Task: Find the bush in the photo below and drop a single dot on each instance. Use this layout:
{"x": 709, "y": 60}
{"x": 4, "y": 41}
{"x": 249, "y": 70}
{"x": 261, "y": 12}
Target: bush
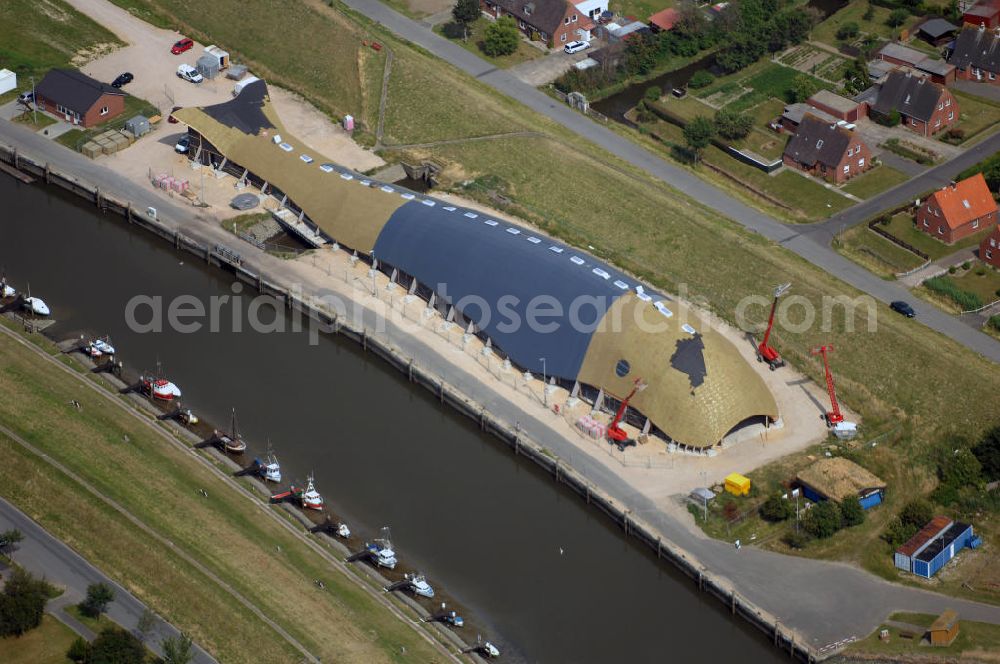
{"x": 78, "y": 650}
{"x": 802, "y": 88}
{"x": 823, "y": 520}
{"x": 869, "y": 13}
{"x": 116, "y": 646}
{"x": 994, "y": 320}
{"x": 955, "y": 134}
{"x": 99, "y": 595}
{"x": 896, "y": 532}
{"x": 852, "y": 512}
{"x": 891, "y": 119}
{"x": 987, "y": 451}
{"x": 797, "y": 539}
{"x": 730, "y": 510}
{"x": 952, "y": 269}
{"x": 654, "y": 93}
{"x": 733, "y": 124}
{"x": 897, "y": 17}
{"x": 967, "y": 300}
{"x": 966, "y": 265}
{"x": 501, "y": 38}
{"x": 22, "y": 603}
{"x": 701, "y": 79}
{"x": 916, "y": 513}
{"x": 847, "y": 31}
{"x": 776, "y": 509}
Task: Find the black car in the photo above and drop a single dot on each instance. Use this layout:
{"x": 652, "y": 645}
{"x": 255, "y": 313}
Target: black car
{"x": 903, "y": 308}
{"x": 123, "y": 79}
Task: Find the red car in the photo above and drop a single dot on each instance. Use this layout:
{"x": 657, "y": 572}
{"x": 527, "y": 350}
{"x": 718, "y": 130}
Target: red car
{"x": 181, "y": 46}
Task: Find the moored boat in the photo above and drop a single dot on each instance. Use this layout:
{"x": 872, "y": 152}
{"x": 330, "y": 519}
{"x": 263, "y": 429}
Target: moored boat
{"x": 419, "y": 585}
{"x": 382, "y": 550}
{"x": 37, "y": 306}
{"x": 269, "y": 469}
{"x": 99, "y": 347}
{"x": 310, "y": 497}
{"x": 232, "y": 442}
{"x": 159, "y": 388}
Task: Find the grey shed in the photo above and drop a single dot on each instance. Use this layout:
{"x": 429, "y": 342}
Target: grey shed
{"x": 208, "y": 66}
{"x": 138, "y": 125}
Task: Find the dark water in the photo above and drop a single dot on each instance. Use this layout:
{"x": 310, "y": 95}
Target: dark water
{"x": 484, "y": 526}
{"x": 615, "y": 106}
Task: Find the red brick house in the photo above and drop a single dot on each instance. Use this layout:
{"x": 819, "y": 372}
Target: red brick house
{"x": 924, "y": 106}
{"x": 976, "y": 56}
{"x": 556, "y": 22}
{"x": 664, "y": 20}
{"x": 985, "y": 13}
{"x": 827, "y": 150}
{"x": 958, "y": 210}
{"x": 77, "y": 98}
{"x": 989, "y": 248}
{"x": 839, "y": 107}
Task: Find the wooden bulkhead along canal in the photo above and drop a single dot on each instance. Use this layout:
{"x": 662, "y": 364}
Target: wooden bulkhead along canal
{"x": 547, "y": 577}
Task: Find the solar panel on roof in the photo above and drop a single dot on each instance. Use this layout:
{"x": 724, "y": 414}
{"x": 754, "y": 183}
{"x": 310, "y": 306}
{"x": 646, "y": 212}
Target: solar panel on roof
{"x": 621, "y": 284}
{"x": 306, "y": 158}
{"x": 364, "y": 183}
{"x": 428, "y": 202}
{"x": 450, "y": 208}
{"x": 513, "y": 231}
{"x": 286, "y": 147}
{"x": 471, "y": 215}
{"x": 662, "y": 308}
{"x": 556, "y": 249}
{"x": 347, "y": 176}
{"x": 687, "y": 328}
{"x": 601, "y": 273}
{"x": 644, "y": 297}
{"x": 326, "y": 168}
{"x": 577, "y": 260}
{"x": 408, "y": 197}
{"x": 490, "y": 222}
{"x": 533, "y": 240}
{"x": 387, "y": 189}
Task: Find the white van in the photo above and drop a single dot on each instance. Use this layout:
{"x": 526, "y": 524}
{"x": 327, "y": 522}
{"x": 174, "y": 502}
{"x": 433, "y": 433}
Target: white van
{"x": 189, "y": 73}
{"x": 238, "y": 88}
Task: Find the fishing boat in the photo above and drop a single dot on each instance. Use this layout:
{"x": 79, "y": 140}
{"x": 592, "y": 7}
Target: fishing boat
{"x": 99, "y": 347}
{"x": 419, "y": 585}
{"x": 268, "y": 469}
{"x": 343, "y": 531}
{"x": 233, "y": 441}
{"x": 5, "y": 290}
{"x": 311, "y": 498}
{"x": 158, "y": 387}
{"x": 490, "y": 650}
{"x": 35, "y": 305}
{"x": 382, "y": 551}
{"x": 453, "y": 619}
{"x": 187, "y": 417}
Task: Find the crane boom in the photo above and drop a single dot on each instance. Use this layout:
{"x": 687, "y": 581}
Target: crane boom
{"x": 834, "y": 416}
{"x": 616, "y": 433}
{"x": 765, "y": 353}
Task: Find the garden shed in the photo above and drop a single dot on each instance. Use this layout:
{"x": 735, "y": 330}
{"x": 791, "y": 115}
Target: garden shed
{"x": 138, "y": 125}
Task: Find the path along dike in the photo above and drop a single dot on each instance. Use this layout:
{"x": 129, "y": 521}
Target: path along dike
{"x": 815, "y": 608}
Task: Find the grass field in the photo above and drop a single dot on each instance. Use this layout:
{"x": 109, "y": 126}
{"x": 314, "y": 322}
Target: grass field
{"x": 477, "y": 33}
{"x": 875, "y": 181}
{"x": 876, "y": 253}
{"x": 639, "y": 9}
{"x": 984, "y": 286}
{"x": 75, "y": 138}
{"x": 854, "y": 13}
{"x": 37, "y": 35}
{"x": 232, "y": 538}
{"x": 977, "y": 114}
{"x": 764, "y": 80}
{"x": 45, "y": 645}
{"x": 902, "y": 227}
{"x": 29, "y": 119}
{"x": 975, "y": 640}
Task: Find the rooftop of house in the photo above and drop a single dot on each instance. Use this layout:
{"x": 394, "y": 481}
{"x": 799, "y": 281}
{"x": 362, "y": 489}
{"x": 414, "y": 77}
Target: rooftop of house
{"x": 978, "y": 48}
{"x": 74, "y": 89}
{"x": 964, "y": 201}
{"x": 945, "y": 621}
{"x": 913, "y": 96}
{"x": 819, "y": 141}
{"x": 937, "y": 27}
{"x": 837, "y": 478}
{"x": 795, "y": 112}
{"x": 834, "y": 101}
{"x": 546, "y": 15}
{"x": 984, "y": 9}
{"x": 665, "y": 19}
{"x": 933, "y": 528}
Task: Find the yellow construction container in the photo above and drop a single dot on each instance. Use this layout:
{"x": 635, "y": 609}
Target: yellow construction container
{"x": 737, "y": 484}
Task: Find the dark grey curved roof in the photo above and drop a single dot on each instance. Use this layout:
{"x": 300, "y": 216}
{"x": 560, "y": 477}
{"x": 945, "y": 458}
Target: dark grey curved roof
{"x": 465, "y": 255}
{"x": 245, "y": 111}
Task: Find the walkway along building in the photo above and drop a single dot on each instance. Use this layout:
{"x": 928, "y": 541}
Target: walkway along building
{"x": 601, "y": 330}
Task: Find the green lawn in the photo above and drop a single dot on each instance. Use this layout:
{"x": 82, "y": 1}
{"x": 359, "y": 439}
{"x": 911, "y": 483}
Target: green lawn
{"x": 854, "y": 13}
{"x": 36, "y": 121}
{"x": 72, "y": 139}
{"x": 875, "y": 181}
{"x": 764, "y": 80}
{"x": 902, "y": 227}
{"x": 474, "y": 43}
{"x": 639, "y": 9}
{"x": 977, "y": 114}
{"x": 984, "y": 285}
{"x": 47, "y": 644}
{"x": 95, "y": 624}
{"x": 878, "y": 254}
{"x": 75, "y": 138}
{"x": 974, "y": 640}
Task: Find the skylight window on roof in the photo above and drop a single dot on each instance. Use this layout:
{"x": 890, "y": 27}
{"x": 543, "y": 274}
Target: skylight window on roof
{"x": 513, "y": 231}
{"x": 471, "y": 215}
{"x": 662, "y": 308}
{"x": 347, "y": 176}
{"x": 966, "y": 204}
{"x": 387, "y": 189}
{"x": 621, "y": 284}
{"x": 603, "y": 274}
{"x": 819, "y": 144}
{"x": 365, "y": 183}
{"x": 577, "y": 260}
{"x": 687, "y": 328}
{"x": 428, "y": 202}
{"x": 286, "y": 147}
{"x": 408, "y": 196}
{"x": 450, "y": 208}
{"x": 326, "y": 168}
{"x": 490, "y": 222}
{"x": 306, "y": 158}
{"x": 643, "y": 296}
{"x": 533, "y": 240}
{"x": 556, "y": 249}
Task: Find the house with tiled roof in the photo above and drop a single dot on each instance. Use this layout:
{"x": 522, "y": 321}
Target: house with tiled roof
{"x": 976, "y": 56}
{"x": 989, "y": 248}
{"x": 958, "y": 210}
{"x": 827, "y": 150}
{"x": 924, "y": 106}
{"x": 900, "y": 55}
{"x": 985, "y": 13}
{"x": 664, "y": 19}
{"x": 555, "y": 22}
{"x": 77, "y": 98}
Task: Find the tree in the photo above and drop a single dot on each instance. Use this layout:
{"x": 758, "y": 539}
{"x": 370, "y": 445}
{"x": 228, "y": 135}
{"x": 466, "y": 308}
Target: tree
{"x": 802, "y": 88}
{"x": 869, "y": 13}
{"x": 78, "y": 650}
{"x": 465, "y": 13}
{"x": 147, "y": 621}
{"x": 897, "y": 532}
{"x": 776, "y": 508}
{"x": 823, "y": 520}
{"x": 987, "y": 451}
{"x": 99, "y": 595}
{"x": 897, "y": 17}
{"x": 9, "y": 539}
{"x": 916, "y": 513}
{"x": 178, "y": 649}
{"x": 654, "y": 93}
{"x": 851, "y": 511}
{"x": 855, "y": 74}
{"x": 733, "y": 124}
{"x": 698, "y": 135}
{"x": 22, "y": 603}
{"x": 847, "y": 31}
{"x": 116, "y": 646}
{"x": 701, "y": 79}
{"x": 502, "y": 37}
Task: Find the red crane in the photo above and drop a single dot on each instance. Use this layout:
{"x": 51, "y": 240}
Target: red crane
{"x": 766, "y": 353}
{"x": 615, "y": 433}
{"x": 834, "y": 416}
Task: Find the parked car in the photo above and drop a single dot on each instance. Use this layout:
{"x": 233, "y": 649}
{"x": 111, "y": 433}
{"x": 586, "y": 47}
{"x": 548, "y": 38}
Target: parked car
{"x": 576, "y": 46}
{"x": 189, "y": 73}
{"x": 123, "y": 79}
{"x": 903, "y": 308}
{"x": 183, "y": 144}
{"x": 182, "y": 46}
{"x": 170, "y": 118}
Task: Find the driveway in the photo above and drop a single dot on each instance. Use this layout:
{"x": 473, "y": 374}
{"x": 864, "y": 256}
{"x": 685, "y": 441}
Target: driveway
{"x": 544, "y": 70}
{"x": 44, "y": 555}
{"x": 876, "y": 134}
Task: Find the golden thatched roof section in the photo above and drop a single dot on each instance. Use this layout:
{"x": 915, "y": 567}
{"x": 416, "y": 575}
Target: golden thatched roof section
{"x": 348, "y": 212}
{"x": 836, "y": 478}
{"x": 696, "y": 415}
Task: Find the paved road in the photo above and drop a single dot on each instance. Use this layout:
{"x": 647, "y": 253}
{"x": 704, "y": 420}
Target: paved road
{"x": 44, "y": 555}
{"x": 827, "y": 601}
{"x": 809, "y": 242}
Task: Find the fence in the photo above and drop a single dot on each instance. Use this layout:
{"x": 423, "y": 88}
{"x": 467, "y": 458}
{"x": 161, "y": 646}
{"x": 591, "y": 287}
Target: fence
{"x": 874, "y": 224}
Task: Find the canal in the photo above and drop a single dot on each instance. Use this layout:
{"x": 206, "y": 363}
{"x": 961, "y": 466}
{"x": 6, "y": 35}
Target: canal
{"x": 549, "y": 579}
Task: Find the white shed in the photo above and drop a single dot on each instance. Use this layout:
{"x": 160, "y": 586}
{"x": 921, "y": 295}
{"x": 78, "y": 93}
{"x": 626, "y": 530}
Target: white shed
{"x": 8, "y": 80}
{"x": 218, "y": 54}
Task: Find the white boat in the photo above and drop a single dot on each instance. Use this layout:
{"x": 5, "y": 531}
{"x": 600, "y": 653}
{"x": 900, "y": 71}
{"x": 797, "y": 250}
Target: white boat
{"x": 188, "y": 417}
{"x": 36, "y": 306}
{"x": 382, "y": 549}
{"x": 269, "y": 469}
{"x": 160, "y": 388}
{"x": 311, "y": 498}
{"x": 420, "y": 586}
{"x": 99, "y": 347}
{"x": 490, "y": 650}
{"x": 343, "y": 530}
{"x": 233, "y": 441}
{"x": 7, "y": 291}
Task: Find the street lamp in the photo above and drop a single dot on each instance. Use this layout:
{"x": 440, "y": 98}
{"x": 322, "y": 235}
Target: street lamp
{"x": 545, "y": 399}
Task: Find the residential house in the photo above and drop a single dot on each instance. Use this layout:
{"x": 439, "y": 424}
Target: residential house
{"x": 839, "y": 107}
{"x": 939, "y": 71}
{"x": 958, "y": 210}
{"x": 924, "y": 107}
{"x": 989, "y": 248}
{"x": 985, "y": 13}
{"x": 976, "y": 55}
{"x": 664, "y": 20}
{"x": 937, "y": 31}
{"x": 78, "y": 98}
{"x": 792, "y": 116}
{"x": 827, "y": 150}
{"x": 555, "y": 22}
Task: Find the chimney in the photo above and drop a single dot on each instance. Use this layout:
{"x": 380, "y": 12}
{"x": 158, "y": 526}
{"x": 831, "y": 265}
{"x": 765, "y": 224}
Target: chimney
{"x": 953, "y": 184}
